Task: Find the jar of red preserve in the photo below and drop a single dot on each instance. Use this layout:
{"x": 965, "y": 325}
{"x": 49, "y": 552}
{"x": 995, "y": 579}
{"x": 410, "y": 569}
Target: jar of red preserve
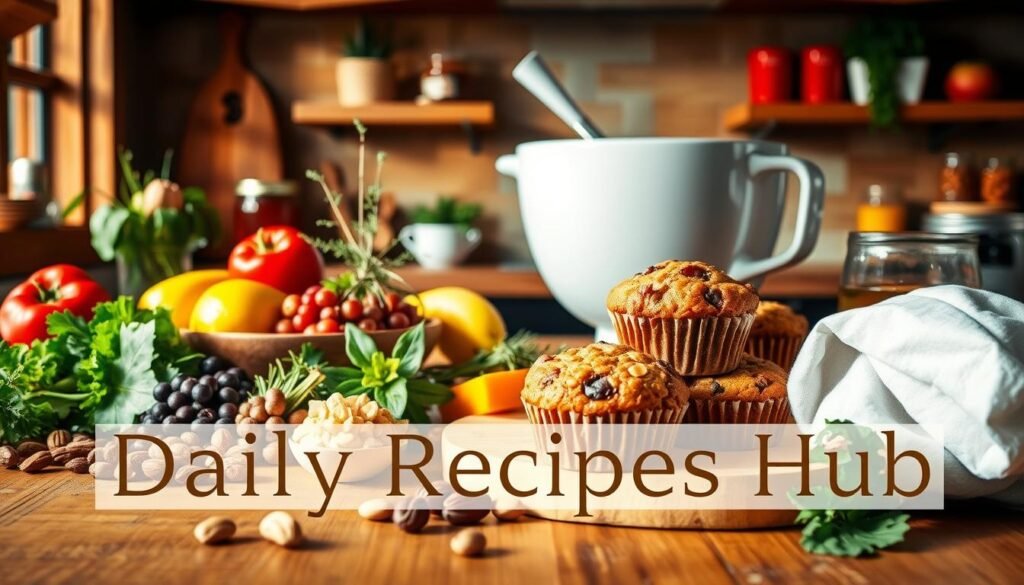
{"x": 263, "y": 203}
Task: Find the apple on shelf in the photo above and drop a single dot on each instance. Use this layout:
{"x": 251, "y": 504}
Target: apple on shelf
{"x": 971, "y": 81}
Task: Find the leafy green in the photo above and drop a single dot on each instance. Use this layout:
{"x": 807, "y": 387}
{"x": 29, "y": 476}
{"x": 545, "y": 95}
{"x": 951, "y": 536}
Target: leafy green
{"x": 389, "y": 379}
{"x": 447, "y": 210}
{"x": 298, "y": 381}
{"x": 882, "y": 44}
{"x": 851, "y": 533}
{"x": 367, "y": 43}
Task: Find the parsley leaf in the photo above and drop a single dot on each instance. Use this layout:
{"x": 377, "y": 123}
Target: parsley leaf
{"x": 127, "y": 374}
{"x": 851, "y": 533}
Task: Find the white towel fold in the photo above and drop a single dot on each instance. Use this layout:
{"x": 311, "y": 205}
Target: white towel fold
{"x": 948, "y": 355}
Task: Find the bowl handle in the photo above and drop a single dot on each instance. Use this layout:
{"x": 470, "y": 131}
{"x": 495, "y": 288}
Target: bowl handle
{"x": 508, "y": 165}
{"x": 808, "y": 215}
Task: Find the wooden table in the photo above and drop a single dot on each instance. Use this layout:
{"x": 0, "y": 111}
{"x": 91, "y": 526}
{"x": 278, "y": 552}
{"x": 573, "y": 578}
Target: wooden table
{"x": 51, "y": 533}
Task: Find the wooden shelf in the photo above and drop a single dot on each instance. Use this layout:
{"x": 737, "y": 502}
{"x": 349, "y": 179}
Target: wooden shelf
{"x": 525, "y": 283}
{"x": 28, "y": 250}
{"x": 454, "y": 113}
{"x": 18, "y": 16}
{"x": 303, "y": 5}
{"x": 749, "y": 117}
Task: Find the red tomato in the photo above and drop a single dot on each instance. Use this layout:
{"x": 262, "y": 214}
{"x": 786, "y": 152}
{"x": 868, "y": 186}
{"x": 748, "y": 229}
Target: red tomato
{"x": 302, "y": 320}
{"x": 54, "y": 289}
{"x": 325, "y": 298}
{"x": 971, "y": 82}
{"x": 290, "y": 305}
{"x": 328, "y": 313}
{"x": 352, "y": 310}
{"x": 327, "y": 326}
{"x": 309, "y": 330}
{"x": 284, "y": 326}
{"x": 368, "y": 325}
{"x": 398, "y": 320}
{"x": 277, "y": 256}
{"x": 391, "y": 301}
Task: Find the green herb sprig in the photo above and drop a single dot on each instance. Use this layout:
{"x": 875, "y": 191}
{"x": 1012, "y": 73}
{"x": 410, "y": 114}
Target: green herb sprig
{"x": 447, "y": 210}
{"x": 516, "y": 352}
{"x": 390, "y": 380}
{"x": 882, "y": 44}
{"x": 298, "y": 380}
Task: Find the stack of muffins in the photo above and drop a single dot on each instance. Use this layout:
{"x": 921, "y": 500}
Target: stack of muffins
{"x": 687, "y": 354}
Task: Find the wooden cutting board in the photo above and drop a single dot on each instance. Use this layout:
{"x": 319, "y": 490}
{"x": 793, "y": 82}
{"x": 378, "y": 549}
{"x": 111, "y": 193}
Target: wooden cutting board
{"x": 667, "y": 519}
{"x": 231, "y": 132}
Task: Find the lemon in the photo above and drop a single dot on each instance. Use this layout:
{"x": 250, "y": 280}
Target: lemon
{"x": 179, "y": 294}
{"x": 469, "y": 321}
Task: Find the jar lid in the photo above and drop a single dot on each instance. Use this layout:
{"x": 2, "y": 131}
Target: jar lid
{"x": 260, "y": 188}
{"x": 911, "y": 238}
{"x": 961, "y": 223}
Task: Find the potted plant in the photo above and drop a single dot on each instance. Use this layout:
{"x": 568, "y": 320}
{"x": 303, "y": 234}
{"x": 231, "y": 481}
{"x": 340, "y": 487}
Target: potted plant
{"x": 152, "y": 227}
{"x": 365, "y": 74}
{"x": 886, "y": 66}
{"x": 442, "y": 236}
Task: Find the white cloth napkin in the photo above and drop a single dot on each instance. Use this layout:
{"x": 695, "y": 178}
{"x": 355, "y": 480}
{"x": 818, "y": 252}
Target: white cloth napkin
{"x": 948, "y": 355}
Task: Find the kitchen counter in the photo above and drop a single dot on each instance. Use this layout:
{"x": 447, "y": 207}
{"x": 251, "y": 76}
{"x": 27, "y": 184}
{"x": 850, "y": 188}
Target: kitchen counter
{"x": 51, "y": 533}
{"x": 499, "y": 282}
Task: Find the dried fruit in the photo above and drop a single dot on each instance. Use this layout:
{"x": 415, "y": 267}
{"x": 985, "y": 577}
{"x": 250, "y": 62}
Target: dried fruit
{"x": 78, "y": 465}
{"x": 214, "y": 530}
{"x": 37, "y": 461}
{"x": 280, "y": 528}
{"x": 412, "y": 515}
{"x": 694, "y": 271}
{"x": 58, "y": 438}
{"x": 9, "y": 458}
{"x": 713, "y": 298}
{"x": 377, "y": 510}
{"x": 598, "y": 388}
{"x": 469, "y": 542}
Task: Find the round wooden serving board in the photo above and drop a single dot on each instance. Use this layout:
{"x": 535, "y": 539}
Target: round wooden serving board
{"x": 666, "y": 519}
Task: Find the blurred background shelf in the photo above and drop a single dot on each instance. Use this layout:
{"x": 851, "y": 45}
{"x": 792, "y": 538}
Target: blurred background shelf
{"x": 750, "y": 117}
{"x": 454, "y": 113}
{"x": 17, "y": 16}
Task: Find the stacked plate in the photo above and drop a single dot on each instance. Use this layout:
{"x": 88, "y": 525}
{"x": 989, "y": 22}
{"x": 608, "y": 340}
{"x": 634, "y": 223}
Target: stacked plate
{"x": 15, "y": 213}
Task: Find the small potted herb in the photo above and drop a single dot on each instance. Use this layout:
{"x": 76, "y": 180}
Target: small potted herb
{"x": 442, "y": 236}
{"x": 364, "y": 73}
{"x": 152, "y": 227}
{"x": 886, "y": 66}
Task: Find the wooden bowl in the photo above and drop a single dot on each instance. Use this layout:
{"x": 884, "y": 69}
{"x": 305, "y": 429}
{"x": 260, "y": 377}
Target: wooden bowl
{"x": 254, "y": 352}
{"x": 15, "y": 213}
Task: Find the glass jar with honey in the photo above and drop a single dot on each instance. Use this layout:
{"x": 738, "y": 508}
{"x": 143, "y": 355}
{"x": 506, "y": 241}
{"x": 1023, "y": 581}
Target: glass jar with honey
{"x": 883, "y": 265}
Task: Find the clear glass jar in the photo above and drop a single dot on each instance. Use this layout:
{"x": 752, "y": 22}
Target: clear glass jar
{"x": 883, "y": 265}
{"x": 883, "y": 210}
{"x": 956, "y": 180}
{"x": 997, "y": 181}
{"x": 263, "y": 204}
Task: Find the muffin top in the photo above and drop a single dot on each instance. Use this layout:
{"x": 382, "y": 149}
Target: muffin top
{"x": 778, "y": 319}
{"x": 677, "y": 289}
{"x": 603, "y": 378}
{"x": 754, "y": 380}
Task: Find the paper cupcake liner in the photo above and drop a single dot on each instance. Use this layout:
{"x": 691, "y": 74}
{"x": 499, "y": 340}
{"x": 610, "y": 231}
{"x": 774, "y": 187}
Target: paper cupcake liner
{"x": 780, "y": 349}
{"x": 695, "y": 347}
{"x": 618, "y": 432}
{"x": 738, "y": 412}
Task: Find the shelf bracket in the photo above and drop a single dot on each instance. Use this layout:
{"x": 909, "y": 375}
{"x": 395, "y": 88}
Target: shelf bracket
{"x": 472, "y": 136}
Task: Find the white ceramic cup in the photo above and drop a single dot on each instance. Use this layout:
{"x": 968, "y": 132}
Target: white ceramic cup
{"x": 439, "y": 245}
{"x": 598, "y": 211}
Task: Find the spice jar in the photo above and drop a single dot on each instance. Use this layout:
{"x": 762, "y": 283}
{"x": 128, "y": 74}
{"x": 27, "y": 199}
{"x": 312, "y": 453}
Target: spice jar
{"x": 263, "y": 204}
{"x": 956, "y": 181}
{"x": 769, "y": 74}
{"x": 883, "y": 210}
{"x": 997, "y": 181}
{"x": 821, "y": 74}
{"x": 440, "y": 81}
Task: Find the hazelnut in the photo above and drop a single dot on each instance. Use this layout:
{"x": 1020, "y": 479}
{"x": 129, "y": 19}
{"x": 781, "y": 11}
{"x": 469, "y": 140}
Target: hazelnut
{"x": 469, "y": 542}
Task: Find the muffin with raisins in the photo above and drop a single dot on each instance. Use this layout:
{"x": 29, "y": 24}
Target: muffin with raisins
{"x": 690, "y": 314}
{"x": 777, "y": 333}
{"x": 603, "y": 380}
{"x": 753, "y": 393}
{"x": 583, "y": 393}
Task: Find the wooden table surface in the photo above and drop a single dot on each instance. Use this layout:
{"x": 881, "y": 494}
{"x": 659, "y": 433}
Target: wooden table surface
{"x": 51, "y": 533}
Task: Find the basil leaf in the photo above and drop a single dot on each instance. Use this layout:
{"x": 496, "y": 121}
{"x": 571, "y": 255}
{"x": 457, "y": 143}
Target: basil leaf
{"x": 415, "y": 413}
{"x": 359, "y": 347}
{"x": 409, "y": 351}
{"x": 393, "y": 397}
{"x": 351, "y": 388}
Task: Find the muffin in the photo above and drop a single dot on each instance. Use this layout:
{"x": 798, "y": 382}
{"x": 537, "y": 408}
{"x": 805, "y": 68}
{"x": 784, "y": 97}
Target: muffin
{"x": 776, "y": 334}
{"x": 583, "y": 393}
{"x": 753, "y": 393}
{"x": 690, "y": 314}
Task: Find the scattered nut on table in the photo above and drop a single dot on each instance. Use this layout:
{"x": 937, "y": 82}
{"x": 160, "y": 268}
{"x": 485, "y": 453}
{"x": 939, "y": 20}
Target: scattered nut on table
{"x": 377, "y": 510}
{"x": 214, "y": 530}
{"x": 411, "y": 515}
{"x": 282, "y": 529}
{"x": 469, "y": 542}
{"x": 508, "y": 510}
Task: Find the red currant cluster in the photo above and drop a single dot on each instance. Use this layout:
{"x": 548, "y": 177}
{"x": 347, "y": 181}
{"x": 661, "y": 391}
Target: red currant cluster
{"x": 319, "y": 310}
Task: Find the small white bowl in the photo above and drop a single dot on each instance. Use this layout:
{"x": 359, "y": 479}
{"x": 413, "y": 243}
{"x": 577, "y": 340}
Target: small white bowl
{"x": 362, "y": 463}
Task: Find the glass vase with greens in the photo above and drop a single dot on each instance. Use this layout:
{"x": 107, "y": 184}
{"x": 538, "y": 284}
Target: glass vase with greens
{"x": 152, "y": 227}
{"x": 883, "y": 45}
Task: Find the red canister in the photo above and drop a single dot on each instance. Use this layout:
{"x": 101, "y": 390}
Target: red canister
{"x": 822, "y": 74}
{"x": 770, "y": 75}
